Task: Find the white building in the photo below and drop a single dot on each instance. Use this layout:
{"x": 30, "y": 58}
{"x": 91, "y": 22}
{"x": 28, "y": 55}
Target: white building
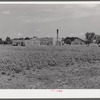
{"x": 32, "y": 42}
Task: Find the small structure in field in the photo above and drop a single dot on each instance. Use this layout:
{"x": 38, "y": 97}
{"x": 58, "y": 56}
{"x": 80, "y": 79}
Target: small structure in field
{"x": 18, "y": 42}
{"x": 46, "y": 41}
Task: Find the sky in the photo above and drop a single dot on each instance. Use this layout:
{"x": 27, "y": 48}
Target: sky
{"x": 42, "y": 20}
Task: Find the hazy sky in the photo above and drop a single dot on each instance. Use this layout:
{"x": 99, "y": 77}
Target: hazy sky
{"x": 43, "y": 19}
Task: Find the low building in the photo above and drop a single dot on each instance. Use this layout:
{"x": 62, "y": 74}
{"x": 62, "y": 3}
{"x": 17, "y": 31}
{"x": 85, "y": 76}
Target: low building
{"x": 32, "y": 42}
{"x": 46, "y": 41}
{"x": 18, "y": 42}
{"x": 78, "y": 41}
{"x": 73, "y": 41}
{"x": 58, "y": 43}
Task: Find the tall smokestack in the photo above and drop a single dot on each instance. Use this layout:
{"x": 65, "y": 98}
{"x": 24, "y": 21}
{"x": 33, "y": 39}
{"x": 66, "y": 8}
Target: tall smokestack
{"x": 57, "y": 33}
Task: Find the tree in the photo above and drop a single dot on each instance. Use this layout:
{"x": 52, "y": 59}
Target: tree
{"x": 97, "y": 39}
{"x": 35, "y": 37}
{"x": 8, "y": 40}
{"x": 89, "y": 37}
{"x": 21, "y": 38}
{"x": 98, "y": 42}
{"x": 0, "y": 40}
{"x": 66, "y": 40}
{"x": 27, "y": 38}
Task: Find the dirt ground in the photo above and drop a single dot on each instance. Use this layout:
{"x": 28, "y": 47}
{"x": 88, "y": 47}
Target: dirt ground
{"x": 44, "y": 67}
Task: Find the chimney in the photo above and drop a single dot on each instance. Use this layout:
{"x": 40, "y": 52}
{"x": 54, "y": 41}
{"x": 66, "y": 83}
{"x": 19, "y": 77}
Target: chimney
{"x": 57, "y": 34}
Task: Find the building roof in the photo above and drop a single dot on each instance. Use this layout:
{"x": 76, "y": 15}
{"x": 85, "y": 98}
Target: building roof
{"x": 18, "y": 39}
{"x": 74, "y": 38}
{"x": 46, "y": 38}
{"x": 80, "y": 39}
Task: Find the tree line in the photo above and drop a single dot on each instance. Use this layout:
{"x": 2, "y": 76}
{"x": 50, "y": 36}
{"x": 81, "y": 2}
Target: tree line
{"x": 6, "y": 41}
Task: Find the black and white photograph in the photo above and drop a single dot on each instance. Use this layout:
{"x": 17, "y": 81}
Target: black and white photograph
{"x": 50, "y": 46}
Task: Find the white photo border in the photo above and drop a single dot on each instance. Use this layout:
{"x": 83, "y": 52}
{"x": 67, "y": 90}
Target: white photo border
{"x": 48, "y": 93}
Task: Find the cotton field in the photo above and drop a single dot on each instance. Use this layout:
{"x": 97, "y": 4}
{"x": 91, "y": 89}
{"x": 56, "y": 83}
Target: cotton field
{"x": 50, "y": 67}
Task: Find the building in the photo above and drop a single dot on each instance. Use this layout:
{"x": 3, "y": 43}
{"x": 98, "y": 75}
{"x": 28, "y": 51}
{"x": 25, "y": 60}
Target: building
{"x": 32, "y": 42}
{"x": 18, "y": 42}
{"x": 73, "y": 41}
{"x": 78, "y": 41}
{"x": 58, "y": 42}
{"x": 39, "y": 41}
{"x": 46, "y": 41}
